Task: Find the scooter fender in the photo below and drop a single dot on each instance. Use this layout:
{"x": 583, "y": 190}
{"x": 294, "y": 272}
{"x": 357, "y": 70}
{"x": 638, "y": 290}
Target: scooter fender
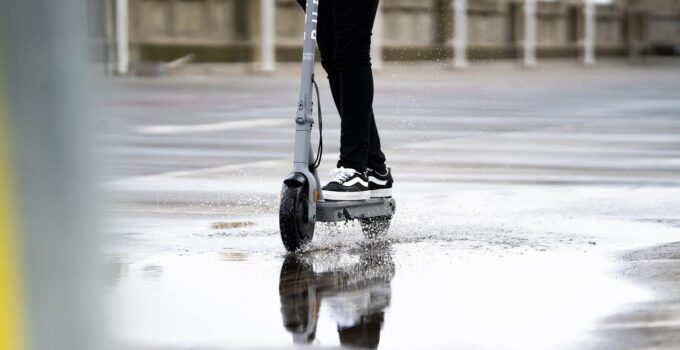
{"x": 295, "y": 179}
{"x": 299, "y": 178}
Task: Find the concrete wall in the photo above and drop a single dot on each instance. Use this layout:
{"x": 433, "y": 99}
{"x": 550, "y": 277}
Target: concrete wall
{"x": 227, "y": 30}
{"x": 215, "y": 30}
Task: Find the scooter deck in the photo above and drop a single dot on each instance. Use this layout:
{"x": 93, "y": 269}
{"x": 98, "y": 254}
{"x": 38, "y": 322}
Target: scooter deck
{"x": 333, "y": 211}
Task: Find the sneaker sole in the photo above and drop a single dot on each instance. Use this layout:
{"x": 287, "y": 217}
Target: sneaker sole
{"x": 384, "y": 192}
{"x": 347, "y": 196}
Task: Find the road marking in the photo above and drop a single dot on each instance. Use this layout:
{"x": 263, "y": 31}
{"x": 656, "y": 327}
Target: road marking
{"x": 199, "y": 128}
{"x": 200, "y": 174}
{"x": 650, "y": 324}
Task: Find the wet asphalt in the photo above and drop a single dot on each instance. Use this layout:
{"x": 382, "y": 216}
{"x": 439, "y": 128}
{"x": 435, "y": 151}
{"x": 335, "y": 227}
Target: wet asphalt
{"x": 537, "y": 209}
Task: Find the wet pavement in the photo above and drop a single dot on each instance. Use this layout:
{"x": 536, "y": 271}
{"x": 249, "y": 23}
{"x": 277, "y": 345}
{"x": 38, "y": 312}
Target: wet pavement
{"x": 536, "y": 209}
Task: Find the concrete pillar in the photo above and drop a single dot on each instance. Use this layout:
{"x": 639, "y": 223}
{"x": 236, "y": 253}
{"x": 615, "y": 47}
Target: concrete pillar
{"x": 110, "y": 30}
{"x": 377, "y": 39}
{"x": 268, "y": 35}
{"x": 590, "y": 33}
{"x": 530, "y": 33}
{"x": 122, "y": 40}
{"x": 460, "y": 34}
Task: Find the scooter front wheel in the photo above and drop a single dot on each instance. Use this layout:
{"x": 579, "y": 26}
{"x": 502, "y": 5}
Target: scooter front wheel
{"x": 295, "y": 230}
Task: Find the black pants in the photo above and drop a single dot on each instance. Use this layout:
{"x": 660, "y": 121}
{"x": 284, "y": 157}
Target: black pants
{"x": 344, "y": 39}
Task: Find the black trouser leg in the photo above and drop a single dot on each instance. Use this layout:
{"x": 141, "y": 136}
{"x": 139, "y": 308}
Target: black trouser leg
{"x": 376, "y": 158}
{"x": 352, "y": 28}
{"x": 326, "y": 42}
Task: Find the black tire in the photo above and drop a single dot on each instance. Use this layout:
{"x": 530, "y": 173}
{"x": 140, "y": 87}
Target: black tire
{"x": 375, "y": 227}
{"x": 295, "y": 230}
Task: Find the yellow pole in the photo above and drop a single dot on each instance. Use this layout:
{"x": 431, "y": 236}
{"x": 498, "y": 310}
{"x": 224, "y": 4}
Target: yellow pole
{"x": 12, "y": 335}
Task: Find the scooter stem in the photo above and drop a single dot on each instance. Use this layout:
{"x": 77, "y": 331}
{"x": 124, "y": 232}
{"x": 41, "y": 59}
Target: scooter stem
{"x": 303, "y": 155}
{"x": 304, "y": 119}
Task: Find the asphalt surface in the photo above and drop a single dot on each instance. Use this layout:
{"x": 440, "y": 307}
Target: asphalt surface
{"x": 537, "y": 209}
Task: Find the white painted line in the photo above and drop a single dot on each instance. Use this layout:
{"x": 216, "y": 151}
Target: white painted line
{"x": 649, "y": 324}
{"x": 203, "y": 172}
{"x": 265, "y": 164}
{"x": 198, "y": 128}
{"x": 214, "y": 179}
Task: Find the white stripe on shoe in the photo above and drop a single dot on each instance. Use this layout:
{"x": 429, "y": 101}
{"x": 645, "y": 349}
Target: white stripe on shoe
{"x": 347, "y": 196}
{"x": 354, "y": 181}
{"x": 377, "y": 181}
{"x": 384, "y": 192}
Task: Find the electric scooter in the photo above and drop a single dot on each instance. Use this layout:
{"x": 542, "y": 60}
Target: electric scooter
{"x": 302, "y": 202}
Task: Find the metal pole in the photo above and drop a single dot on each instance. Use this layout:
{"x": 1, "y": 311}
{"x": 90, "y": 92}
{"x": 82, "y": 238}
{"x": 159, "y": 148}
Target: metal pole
{"x": 48, "y": 133}
{"x": 268, "y": 35}
{"x": 122, "y": 40}
{"x": 530, "y": 33}
{"x": 460, "y": 34}
{"x": 589, "y": 40}
{"x": 377, "y": 40}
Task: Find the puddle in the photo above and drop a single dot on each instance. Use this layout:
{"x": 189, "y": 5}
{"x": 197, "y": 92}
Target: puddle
{"x": 416, "y": 295}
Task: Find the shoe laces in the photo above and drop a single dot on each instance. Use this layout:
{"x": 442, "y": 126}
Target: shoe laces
{"x": 341, "y": 174}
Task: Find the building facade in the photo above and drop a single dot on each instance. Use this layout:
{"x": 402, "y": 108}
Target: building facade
{"x": 229, "y": 30}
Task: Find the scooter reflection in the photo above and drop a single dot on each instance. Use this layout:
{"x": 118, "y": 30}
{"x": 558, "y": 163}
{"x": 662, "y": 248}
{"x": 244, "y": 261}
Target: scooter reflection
{"x": 355, "y": 286}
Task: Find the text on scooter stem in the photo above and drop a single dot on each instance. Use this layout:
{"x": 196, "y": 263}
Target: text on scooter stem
{"x": 315, "y": 17}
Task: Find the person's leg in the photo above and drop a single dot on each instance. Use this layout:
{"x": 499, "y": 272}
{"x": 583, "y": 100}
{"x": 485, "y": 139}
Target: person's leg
{"x": 376, "y": 158}
{"x": 353, "y": 24}
{"x": 325, "y": 39}
{"x": 326, "y": 42}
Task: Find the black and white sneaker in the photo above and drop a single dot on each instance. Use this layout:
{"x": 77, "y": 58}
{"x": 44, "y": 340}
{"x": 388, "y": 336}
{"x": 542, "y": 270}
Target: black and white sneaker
{"x": 347, "y": 185}
{"x": 380, "y": 184}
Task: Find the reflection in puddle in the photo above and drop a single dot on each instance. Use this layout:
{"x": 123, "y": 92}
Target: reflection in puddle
{"x": 234, "y": 256}
{"x": 355, "y": 288}
{"x": 152, "y": 272}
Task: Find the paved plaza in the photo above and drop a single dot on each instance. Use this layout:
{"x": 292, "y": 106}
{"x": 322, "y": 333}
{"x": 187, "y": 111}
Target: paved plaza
{"x": 536, "y": 209}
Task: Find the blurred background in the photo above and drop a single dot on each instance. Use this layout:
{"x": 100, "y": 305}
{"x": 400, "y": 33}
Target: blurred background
{"x": 131, "y": 32}
{"x": 535, "y": 146}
